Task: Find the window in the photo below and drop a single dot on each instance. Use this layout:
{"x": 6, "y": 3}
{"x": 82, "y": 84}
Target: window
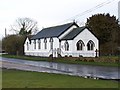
{"x": 30, "y": 41}
{"x": 51, "y": 43}
{"x": 34, "y": 44}
{"x": 66, "y": 46}
{"x": 45, "y": 42}
{"x": 27, "y": 46}
{"x": 80, "y": 44}
{"x": 39, "y": 44}
{"x": 90, "y": 45}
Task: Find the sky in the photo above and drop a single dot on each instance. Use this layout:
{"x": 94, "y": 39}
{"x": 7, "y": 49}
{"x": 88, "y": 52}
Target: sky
{"x": 51, "y": 12}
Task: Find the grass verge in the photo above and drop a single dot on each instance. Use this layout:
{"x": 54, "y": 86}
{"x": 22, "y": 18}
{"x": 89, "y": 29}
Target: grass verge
{"x": 25, "y": 79}
{"x": 63, "y": 60}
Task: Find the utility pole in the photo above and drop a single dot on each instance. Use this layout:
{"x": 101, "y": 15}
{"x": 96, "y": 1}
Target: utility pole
{"x": 5, "y": 32}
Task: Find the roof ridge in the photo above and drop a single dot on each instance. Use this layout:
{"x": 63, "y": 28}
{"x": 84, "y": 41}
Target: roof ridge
{"x": 58, "y": 25}
{"x": 54, "y": 31}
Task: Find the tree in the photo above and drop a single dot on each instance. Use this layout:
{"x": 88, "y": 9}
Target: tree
{"x": 107, "y": 29}
{"x": 25, "y": 26}
{"x": 13, "y": 44}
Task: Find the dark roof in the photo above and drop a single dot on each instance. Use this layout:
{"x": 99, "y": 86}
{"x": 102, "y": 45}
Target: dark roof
{"x": 71, "y": 35}
{"x": 55, "y": 31}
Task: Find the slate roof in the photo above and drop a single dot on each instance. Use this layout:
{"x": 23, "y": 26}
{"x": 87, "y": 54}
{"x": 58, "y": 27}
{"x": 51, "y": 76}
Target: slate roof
{"x": 71, "y": 35}
{"x": 55, "y": 31}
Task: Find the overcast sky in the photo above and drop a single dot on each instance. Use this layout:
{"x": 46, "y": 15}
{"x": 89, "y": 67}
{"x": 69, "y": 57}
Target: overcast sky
{"x": 51, "y": 12}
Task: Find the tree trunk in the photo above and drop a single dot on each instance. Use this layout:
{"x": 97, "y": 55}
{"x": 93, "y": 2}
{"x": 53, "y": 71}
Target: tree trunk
{"x": 17, "y": 52}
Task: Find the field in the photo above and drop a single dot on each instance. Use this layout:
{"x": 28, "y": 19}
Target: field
{"x": 25, "y": 79}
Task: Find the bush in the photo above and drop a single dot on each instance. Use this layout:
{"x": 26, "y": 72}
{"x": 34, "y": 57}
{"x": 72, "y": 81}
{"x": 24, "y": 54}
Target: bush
{"x": 14, "y": 44}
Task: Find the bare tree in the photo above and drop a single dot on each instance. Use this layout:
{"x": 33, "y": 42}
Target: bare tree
{"x": 25, "y": 26}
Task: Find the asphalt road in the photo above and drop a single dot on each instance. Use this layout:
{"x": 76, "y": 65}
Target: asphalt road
{"x": 69, "y": 69}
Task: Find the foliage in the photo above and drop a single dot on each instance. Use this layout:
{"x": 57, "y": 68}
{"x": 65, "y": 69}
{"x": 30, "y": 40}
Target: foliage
{"x": 24, "y": 79}
{"x": 25, "y": 26}
{"x": 107, "y": 29}
{"x": 13, "y": 44}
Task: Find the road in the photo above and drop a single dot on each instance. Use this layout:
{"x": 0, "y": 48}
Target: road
{"x": 70, "y": 69}
{"x": 12, "y": 65}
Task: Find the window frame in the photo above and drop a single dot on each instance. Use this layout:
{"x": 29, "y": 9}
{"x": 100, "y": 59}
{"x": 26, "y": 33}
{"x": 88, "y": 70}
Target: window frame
{"x": 34, "y": 44}
{"x": 51, "y": 43}
{"x": 80, "y": 45}
{"x": 39, "y": 44}
{"x": 91, "y": 45}
{"x": 45, "y": 43}
{"x": 66, "y": 45}
{"x": 27, "y": 45}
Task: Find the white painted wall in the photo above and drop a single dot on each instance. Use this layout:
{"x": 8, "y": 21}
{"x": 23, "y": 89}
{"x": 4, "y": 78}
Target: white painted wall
{"x": 66, "y": 53}
{"x": 42, "y": 51}
{"x": 85, "y": 36}
{"x": 25, "y": 45}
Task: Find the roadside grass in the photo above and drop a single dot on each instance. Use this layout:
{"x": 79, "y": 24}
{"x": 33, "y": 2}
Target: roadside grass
{"x": 26, "y": 79}
{"x": 68, "y": 60}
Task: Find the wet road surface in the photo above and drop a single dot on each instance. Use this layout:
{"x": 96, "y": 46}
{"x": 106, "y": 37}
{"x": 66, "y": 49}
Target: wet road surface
{"x": 61, "y": 68}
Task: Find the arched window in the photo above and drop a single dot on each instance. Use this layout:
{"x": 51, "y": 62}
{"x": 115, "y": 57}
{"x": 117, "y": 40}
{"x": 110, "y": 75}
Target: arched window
{"x": 30, "y": 41}
{"x": 27, "y": 46}
{"x": 90, "y": 45}
{"x": 45, "y": 41}
{"x": 39, "y": 44}
{"x": 80, "y": 44}
{"x": 66, "y": 46}
{"x": 34, "y": 44}
{"x": 51, "y": 43}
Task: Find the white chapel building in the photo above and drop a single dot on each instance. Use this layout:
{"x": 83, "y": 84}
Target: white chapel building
{"x": 63, "y": 40}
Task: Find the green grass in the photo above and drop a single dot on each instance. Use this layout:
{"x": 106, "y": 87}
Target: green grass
{"x": 24, "y": 79}
{"x": 62, "y": 60}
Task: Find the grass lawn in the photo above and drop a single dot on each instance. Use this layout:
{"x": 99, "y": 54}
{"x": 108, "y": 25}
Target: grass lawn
{"x": 24, "y": 79}
{"x": 62, "y": 60}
